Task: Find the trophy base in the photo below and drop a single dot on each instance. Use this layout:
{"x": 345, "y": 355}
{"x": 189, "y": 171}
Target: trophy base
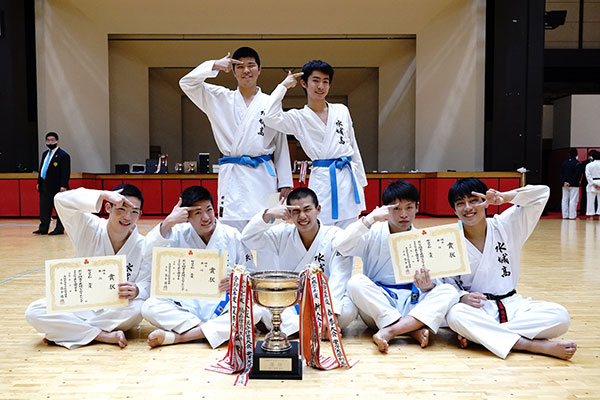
{"x": 276, "y": 365}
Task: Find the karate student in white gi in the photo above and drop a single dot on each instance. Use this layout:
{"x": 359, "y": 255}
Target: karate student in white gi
{"x": 247, "y": 175}
{"x": 326, "y": 134}
{"x": 291, "y": 247}
{"x": 192, "y": 224}
{"x": 393, "y": 309}
{"x": 490, "y": 311}
{"x": 592, "y": 174}
{"x": 93, "y": 236}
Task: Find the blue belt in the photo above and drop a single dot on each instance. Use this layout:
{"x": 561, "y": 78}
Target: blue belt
{"x": 251, "y": 161}
{"x": 339, "y": 163}
{"x": 221, "y": 306}
{"x": 414, "y": 296}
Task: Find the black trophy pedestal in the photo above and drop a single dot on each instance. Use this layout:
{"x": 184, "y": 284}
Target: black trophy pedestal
{"x": 276, "y": 365}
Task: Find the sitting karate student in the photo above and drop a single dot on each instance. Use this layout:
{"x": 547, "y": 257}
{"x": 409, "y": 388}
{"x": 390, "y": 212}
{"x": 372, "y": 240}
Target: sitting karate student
{"x": 291, "y": 247}
{"x": 490, "y": 311}
{"x": 93, "y": 236}
{"x": 192, "y": 224}
{"x": 326, "y": 135}
{"x": 393, "y": 309}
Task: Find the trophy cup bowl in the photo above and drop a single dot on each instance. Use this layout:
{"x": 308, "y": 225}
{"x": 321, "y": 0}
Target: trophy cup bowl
{"x": 275, "y": 290}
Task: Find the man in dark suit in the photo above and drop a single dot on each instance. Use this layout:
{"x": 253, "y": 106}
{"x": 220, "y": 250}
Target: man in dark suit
{"x": 55, "y": 169}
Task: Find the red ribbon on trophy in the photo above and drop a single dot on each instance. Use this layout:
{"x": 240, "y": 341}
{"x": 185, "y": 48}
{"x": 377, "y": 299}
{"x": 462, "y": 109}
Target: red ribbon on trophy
{"x": 316, "y": 310}
{"x": 241, "y": 339}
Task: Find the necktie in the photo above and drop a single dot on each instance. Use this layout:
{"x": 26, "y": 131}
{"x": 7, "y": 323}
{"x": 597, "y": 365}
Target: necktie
{"x": 45, "y": 166}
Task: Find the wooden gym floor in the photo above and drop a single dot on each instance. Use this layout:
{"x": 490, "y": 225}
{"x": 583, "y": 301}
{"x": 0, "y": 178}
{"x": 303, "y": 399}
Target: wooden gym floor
{"x": 560, "y": 263}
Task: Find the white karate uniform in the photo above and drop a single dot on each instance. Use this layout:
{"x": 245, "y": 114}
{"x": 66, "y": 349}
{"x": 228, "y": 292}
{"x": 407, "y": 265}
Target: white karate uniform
{"x": 90, "y": 238}
{"x": 279, "y": 247}
{"x": 592, "y": 174}
{"x": 320, "y": 142}
{"x": 496, "y": 271}
{"x": 376, "y": 306}
{"x": 239, "y": 130}
{"x": 181, "y": 315}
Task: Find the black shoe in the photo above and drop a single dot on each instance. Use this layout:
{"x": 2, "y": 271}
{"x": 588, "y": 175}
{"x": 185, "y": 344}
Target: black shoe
{"x": 38, "y": 232}
{"x": 55, "y": 232}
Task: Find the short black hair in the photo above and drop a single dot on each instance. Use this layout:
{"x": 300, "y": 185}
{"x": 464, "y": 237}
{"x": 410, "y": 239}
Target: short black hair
{"x": 463, "y": 188}
{"x": 316, "y": 65}
{"x": 131, "y": 191}
{"x": 301, "y": 193}
{"x": 246, "y": 52}
{"x": 53, "y": 134}
{"x": 194, "y": 194}
{"x": 573, "y": 152}
{"x": 399, "y": 190}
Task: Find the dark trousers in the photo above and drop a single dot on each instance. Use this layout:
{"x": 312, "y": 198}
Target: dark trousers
{"x": 46, "y": 206}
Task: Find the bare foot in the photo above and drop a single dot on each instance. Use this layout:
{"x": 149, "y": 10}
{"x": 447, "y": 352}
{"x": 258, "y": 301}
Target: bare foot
{"x": 156, "y": 338}
{"x": 421, "y": 336}
{"x": 114, "y": 337}
{"x": 563, "y": 349}
{"x": 463, "y": 343}
{"x": 381, "y": 339}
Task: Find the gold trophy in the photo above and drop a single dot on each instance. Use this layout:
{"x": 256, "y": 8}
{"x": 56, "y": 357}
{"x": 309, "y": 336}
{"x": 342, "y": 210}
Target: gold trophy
{"x": 276, "y": 357}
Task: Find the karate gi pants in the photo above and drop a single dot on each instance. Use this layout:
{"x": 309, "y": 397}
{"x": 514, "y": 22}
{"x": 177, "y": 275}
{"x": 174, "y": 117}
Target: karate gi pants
{"x": 291, "y": 321}
{"x": 378, "y": 309}
{"x": 526, "y": 318}
{"x": 570, "y": 197}
{"x": 167, "y": 315}
{"x": 76, "y": 329}
{"x": 592, "y": 197}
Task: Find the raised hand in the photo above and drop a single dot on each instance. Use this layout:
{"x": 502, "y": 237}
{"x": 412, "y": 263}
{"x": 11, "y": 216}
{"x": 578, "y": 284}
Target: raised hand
{"x": 382, "y": 214}
{"x": 280, "y": 211}
{"x": 291, "y": 80}
{"x": 116, "y": 198}
{"x": 491, "y": 198}
{"x": 178, "y": 215}
{"x": 226, "y": 63}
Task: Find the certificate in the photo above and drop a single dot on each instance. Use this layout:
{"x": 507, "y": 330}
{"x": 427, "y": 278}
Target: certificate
{"x": 90, "y": 283}
{"x": 188, "y": 273}
{"x": 440, "y": 249}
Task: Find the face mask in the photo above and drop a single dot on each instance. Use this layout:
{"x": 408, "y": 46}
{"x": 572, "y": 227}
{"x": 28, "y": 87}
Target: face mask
{"x": 51, "y": 146}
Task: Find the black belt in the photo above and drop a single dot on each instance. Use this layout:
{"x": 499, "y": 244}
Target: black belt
{"x": 498, "y": 299}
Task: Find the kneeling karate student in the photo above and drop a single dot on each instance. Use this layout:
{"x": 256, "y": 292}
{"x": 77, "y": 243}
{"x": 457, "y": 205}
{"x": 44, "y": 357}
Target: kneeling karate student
{"x": 192, "y": 224}
{"x": 490, "y": 311}
{"x": 93, "y": 236}
{"x": 393, "y": 309}
{"x": 291, "y": 247}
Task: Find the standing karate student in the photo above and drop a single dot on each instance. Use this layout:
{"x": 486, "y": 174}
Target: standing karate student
{"x": 393, "y": 309}
{"x": 247, "y": 175}
{"x": 192, "y": 224}
{"x": 93, "y": 236}
{"x": 326, "y": 134}
{"x": 490, "y": 311}
{"x": 291, "y": 247}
